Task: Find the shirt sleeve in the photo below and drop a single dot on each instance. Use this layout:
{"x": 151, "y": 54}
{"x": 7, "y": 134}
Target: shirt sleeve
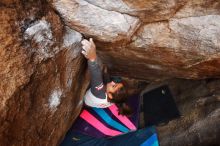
{"x": 97, "y": 85}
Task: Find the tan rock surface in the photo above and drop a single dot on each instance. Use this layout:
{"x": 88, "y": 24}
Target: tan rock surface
{"x": 40, "y": 68}
{"x": 199, "y": 8}
{"x": 184, "y": 48}
{"x": 147, "y": 10}
{"x": 108, "y": 26}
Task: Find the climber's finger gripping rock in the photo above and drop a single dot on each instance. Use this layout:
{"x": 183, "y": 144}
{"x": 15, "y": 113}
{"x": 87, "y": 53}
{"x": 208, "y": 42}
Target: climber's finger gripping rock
{"x": 89, "y": 49}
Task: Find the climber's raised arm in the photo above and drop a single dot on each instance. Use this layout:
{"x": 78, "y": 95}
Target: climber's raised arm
{"x": 100, "y": 95}
{"x": 89, "y": 51}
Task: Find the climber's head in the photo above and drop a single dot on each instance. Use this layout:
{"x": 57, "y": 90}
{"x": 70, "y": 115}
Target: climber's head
{"x": 117, "y": 93}
{"x": 115, "y": 86}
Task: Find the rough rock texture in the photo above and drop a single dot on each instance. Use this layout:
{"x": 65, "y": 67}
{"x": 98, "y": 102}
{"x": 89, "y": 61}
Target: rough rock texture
{"x": 180, "y": 39}
{"x": 43, "y": 76}
{"x": 184, "y": 48}
{"x": 199, "y": 8}
{"x": 146, "y": 10}
{"x": 180, "y": 47}
{"x": 85, "y": 17}
{"x": 40, "y": 72}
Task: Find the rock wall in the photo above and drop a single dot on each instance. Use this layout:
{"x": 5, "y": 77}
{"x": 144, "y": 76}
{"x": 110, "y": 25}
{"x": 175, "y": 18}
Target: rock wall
{"x": 157, "y": 38}
{"x": 43, "y": 76}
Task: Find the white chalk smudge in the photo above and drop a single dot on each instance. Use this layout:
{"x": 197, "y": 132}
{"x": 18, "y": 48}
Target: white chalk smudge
{"x": 71, "y": 36}
{"x": 40, "y": 32}
{"x": 54, "y": 99}
{"x": 36, "y": 31}
{"x": 70, "y": 40}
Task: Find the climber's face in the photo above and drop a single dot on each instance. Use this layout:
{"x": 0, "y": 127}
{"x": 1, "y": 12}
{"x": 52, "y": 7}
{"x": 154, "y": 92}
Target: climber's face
{"x": 113, "y": 87}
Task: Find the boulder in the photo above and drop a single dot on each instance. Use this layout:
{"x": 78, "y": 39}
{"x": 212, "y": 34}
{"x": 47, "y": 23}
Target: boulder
{"x": 40, "y": 68}
{"x": 44, "y": 76}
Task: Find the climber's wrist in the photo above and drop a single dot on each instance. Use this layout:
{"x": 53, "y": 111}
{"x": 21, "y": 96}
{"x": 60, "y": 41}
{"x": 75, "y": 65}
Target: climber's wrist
{"x": 93, "y": 58}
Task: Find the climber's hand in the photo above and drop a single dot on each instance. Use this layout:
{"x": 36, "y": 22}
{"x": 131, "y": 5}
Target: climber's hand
{"x": 89, "y": 49}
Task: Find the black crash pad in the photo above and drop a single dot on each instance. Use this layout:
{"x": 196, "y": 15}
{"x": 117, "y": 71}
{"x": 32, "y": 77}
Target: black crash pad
{"x": 159, "y": 106}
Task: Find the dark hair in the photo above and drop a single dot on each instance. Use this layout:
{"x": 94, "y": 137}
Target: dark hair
{"x": 120, "y": 98}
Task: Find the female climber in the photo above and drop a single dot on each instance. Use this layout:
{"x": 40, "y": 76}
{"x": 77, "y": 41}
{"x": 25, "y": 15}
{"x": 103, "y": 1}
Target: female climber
{"x": 101, "y": 95}
{"x": 103, "y": 120}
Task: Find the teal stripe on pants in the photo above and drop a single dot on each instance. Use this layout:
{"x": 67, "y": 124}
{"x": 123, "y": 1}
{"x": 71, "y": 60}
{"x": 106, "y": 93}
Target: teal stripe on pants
{"x": 110, "y": 121}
